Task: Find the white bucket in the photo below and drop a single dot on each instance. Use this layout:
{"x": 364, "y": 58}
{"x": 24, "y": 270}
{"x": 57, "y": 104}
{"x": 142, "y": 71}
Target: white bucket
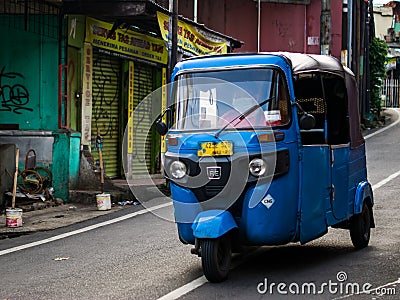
{"x": 13, "y": 217}
{"x": 103, "y": 201}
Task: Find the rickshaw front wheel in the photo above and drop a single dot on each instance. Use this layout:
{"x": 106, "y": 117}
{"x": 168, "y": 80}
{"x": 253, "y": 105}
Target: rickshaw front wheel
{"x": 216, "y": 257}
{"x": 360, "y": 228}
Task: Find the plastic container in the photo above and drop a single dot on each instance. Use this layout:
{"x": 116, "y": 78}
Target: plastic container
{"x": 103, "y": 201}
{"x": 13, "y": 217}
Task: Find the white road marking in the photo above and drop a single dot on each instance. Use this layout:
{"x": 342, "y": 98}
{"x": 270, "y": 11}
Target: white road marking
{"x": 68, "y": 234}
{"x": 198, "y": 282}
{"x": 386, "y": 180}
{"x": 385, "y": 128}
{"x": 183, "y": 290}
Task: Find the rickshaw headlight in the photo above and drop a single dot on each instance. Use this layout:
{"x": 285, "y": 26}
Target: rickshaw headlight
{"x": 257, "y": 167}
{"x": 177, "y": 169}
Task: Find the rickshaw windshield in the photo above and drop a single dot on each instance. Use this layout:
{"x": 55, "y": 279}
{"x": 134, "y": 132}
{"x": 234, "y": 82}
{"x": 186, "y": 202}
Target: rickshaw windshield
{"x": 213, "y": 99}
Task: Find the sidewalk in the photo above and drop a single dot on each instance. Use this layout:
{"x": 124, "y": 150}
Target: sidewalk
{"x": 43, "y": 216}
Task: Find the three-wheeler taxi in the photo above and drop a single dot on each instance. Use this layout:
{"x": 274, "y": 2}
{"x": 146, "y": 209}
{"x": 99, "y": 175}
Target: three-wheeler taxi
{"x": 264, "y": 149}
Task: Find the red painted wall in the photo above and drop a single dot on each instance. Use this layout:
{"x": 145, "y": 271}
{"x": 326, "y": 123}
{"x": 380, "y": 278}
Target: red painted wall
{"x": 284, "y": 27}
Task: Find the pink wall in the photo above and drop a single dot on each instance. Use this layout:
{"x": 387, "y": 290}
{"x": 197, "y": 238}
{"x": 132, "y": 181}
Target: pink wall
{"x": 283, "y": 26}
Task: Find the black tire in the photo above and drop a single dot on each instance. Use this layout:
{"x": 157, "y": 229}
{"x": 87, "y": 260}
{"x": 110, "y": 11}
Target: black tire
{"x": 216, "y": 257}
{"x": 360, "y": 228}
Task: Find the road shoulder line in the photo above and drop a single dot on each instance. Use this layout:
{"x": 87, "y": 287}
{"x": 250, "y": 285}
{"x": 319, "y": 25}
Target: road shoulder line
{"x": 85, "y": 229}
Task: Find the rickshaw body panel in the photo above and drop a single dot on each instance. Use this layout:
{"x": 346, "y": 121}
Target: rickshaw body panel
{"x": 315, "y": 193}
{"x": 274, "y": 222}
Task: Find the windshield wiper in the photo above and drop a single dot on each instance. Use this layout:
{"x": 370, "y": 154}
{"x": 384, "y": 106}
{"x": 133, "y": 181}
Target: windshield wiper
{"x": 242, "y": 116}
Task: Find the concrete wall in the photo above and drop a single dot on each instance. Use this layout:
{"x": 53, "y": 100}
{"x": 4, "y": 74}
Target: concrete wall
{"x": 383, "y": 17}
{"x": 284, "y": 27}
{"x": 28, "y": 80}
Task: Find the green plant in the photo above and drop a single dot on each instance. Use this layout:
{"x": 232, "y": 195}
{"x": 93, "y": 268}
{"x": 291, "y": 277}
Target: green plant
{"x": 378, "y": 51}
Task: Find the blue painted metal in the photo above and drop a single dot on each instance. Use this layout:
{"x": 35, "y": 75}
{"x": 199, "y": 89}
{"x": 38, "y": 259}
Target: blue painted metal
{"x": 357, "y": 174}
{"x": 212, "y": 224}
{"x": 315, "y": 192}
{"x": 363, "y": 192}
{"x": 260, "y": 225}
{"x": 188, "y": 143}
{"x": 186, "y": 209}
{"x": 340, "y": 182}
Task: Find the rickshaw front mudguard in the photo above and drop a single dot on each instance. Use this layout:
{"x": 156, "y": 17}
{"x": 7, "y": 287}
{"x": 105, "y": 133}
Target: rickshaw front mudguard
{"x": 212, "y": 224}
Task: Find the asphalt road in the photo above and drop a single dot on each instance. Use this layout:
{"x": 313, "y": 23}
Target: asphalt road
{"x": 134, "y": 255}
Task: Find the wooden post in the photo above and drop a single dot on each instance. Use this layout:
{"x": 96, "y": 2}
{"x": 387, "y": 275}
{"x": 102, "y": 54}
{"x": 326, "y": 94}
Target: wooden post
{"x": 101, "y": 161}
{"x": 15, "y": 179}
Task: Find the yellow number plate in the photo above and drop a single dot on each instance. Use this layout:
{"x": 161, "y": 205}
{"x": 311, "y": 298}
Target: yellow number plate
{"x": 215, "y": 149}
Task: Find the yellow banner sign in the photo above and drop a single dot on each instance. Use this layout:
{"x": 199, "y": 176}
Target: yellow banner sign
{"x": 124, "y": 41}
{"x": 189, "y": 39}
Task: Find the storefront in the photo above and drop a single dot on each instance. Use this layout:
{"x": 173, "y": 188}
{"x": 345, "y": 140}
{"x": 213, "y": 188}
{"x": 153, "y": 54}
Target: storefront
{"x": 124, "y": 58}
{"x": 123, "y": 68}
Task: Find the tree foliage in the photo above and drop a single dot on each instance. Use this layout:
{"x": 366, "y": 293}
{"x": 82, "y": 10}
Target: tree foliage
{"x": 378, "y": 51}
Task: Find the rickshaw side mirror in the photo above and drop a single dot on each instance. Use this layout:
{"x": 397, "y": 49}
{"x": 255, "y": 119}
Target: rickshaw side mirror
{"x": 161, "y": 128}
{"x": 307, "y": 121}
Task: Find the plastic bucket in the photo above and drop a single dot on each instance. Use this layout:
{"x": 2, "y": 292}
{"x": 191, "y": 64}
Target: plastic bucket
{"x": 13, "y": 217}
{"x": 103, "y": 201}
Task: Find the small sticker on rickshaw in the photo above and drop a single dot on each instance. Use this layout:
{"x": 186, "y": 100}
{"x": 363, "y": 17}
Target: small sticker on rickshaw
{"x": 268, "y": 201}
{"x": 273, "y": 117}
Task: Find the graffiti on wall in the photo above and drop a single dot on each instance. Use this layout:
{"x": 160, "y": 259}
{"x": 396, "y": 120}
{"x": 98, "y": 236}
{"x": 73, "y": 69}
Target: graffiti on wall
{"x": 143, "y": 111}
{"x": 14, "y": 96}
{"x": 105, "y": 97}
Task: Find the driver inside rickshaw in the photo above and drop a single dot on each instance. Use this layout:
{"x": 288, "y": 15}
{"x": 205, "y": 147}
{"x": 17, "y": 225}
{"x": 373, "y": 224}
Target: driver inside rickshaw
{"x": 272, "y": 111}
{"x": 241, "y": 103}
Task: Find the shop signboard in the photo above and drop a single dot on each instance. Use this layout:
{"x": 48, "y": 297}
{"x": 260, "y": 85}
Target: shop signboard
{"x": 125, "y": 41}
{"x": 190, "y": 39}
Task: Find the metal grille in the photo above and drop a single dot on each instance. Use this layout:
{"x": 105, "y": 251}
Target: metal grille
{"x": 143, "y": 86}
{"x": 105, "y": 110}
{"x": 390, "y": 93}
{"x": 35, "y": 16}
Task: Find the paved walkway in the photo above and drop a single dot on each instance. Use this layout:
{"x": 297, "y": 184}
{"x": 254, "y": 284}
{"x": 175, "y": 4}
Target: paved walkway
{"x": 42, "y": 216}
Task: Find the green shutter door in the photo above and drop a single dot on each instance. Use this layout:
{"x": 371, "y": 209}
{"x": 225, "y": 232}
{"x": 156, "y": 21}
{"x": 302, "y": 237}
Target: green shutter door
{"x": 105, "y": 110}
{"x": 143, "y": 86}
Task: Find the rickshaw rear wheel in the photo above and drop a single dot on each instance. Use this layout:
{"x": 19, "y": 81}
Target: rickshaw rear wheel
{"x": 360, "y": 228}
{"x": 216, "y": 257}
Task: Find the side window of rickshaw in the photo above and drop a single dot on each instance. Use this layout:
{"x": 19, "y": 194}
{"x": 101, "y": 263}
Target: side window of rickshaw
{"x": 277, "y": 110}
{"x": 309, "y": 94}
{"x": 337, "y": 109}
{"x": 324, "y": 96}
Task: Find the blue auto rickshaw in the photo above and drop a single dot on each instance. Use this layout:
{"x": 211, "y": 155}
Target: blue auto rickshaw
{"x": 264, "y": 149}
